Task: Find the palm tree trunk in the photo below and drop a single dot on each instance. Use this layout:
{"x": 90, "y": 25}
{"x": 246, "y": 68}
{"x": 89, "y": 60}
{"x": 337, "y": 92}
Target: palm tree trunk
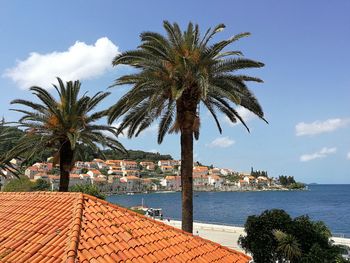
{"x": 187, "y": 179}
{"x": 66, "y": 157}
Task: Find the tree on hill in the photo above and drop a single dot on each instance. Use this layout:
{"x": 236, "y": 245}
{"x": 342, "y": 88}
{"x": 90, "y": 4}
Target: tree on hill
{"x": 177, "y": 73}
{"x": 62, "y": 126}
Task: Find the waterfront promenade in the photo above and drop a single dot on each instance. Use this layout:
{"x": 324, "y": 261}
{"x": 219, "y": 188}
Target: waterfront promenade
{"x": 228, "y": 235}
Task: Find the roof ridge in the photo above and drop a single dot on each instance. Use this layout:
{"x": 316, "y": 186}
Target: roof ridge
{"x": 165, "y": 225}
{"x": 74, "y": 237}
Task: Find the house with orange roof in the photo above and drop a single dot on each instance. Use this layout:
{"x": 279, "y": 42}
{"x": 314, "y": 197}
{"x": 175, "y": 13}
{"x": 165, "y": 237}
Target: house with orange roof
{"x": 263, "y": 181}
{"x": 80, "y": 164}
{"x": 72, "y": 227}
{"x": 250, "y": 179}
{"x": 75, "y": 179}
{"x": 200, "y": 170}
{"x": 200, "y": 180}
{"x": 131, "y": 173}
{"x": 43, "y": 166}
{"x": 215, "y": 181}
{"x": 171, "y": 182}
{"x": 32, "y": 170}
{"x": 114, "y": 162}
{"x": 99, "y": 163}
{"x": 242, "y": 184}
{"x": 85, "y": 177}
{"x": 93, "y": 173}
{"x": 147, "y": 184}
{"x": 226, "y": 172}
{"x": 116, "y": 185}
{"x": 129, "y": 165}
{"x": 133, "y": 183}
{"x": 214, "y": 171}
{"x": 167, "y": 168}
{"x": 42, "y": 175}
{"x": 148, "y": 165}
{"x": 168, "y": 162}
{"x": 102, "y": 184}
{"x": 115, "y": 170}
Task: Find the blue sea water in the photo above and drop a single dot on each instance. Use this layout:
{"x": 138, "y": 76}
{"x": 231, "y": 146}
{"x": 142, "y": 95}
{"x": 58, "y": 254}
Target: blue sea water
{"x": 328, "y": 203}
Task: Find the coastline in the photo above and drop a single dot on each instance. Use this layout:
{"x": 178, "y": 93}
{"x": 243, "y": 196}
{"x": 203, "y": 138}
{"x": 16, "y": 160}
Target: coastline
{"x": 203, "y": 190}
{"x": 228, "y": 235}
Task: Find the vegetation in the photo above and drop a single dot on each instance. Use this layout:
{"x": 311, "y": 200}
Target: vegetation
{"x": 23, "y": 184}
{"x": 286, "y": 180}
{"x": 233, "y": 177}
{"x": 274, "y": 235}
{"x": 62, "y": 127}
{"x": 8, "y": 142}
{"x": 8, "y": 136}
{"x": 89, "y": 189}
{"x": 176, "y": 73}
{"x": 137, "y": 155}
{"x": 289, "y": 182}
{"x": 258, "y": 173}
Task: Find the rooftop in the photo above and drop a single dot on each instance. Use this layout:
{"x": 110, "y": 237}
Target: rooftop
{"x": 74, "y": 227}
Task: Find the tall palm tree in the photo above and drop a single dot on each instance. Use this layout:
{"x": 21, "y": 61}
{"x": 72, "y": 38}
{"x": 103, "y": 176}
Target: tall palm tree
{"x": 63, "y": 125}
{"x": 175, "y": 73}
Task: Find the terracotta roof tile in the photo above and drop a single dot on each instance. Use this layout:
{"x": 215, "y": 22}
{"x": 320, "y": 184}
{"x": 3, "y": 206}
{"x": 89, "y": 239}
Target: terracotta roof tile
{"x": 73, "y": 227}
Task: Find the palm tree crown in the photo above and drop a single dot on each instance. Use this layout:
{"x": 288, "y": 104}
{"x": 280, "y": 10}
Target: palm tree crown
{"x": 63, "y": 125}
{"x": 178, "y": 72}
{"x": 175, "y": 74}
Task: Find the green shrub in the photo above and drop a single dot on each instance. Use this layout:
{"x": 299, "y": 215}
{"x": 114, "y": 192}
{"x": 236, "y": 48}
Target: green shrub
{"x": 89, "y": 189}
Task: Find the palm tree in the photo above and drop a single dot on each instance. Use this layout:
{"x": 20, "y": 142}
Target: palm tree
{"x": 175, "y": 74}
{"x": 288, "y": 245}
{"x": 66, "y": 126}
{"x": 6, "y": 134}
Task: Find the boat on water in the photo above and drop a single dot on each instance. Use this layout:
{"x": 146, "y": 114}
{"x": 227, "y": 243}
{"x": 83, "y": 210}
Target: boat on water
{"x": 155, "y": 213}
{"x": 129, "y": 193}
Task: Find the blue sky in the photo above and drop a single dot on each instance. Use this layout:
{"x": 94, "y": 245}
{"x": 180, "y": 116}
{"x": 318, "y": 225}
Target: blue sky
{"x": 304, "y": 44}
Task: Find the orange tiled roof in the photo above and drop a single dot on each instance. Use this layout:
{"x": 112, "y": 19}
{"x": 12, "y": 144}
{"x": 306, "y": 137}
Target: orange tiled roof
{"x": 73, "y": 227}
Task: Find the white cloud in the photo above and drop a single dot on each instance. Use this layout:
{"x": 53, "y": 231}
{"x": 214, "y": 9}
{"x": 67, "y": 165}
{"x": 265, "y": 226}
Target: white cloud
{"x": 348, "y": 156}
{"x": 324, "y": 152}
{"x": 244, "y": 113}
{"x": 318, "y": 127}
{"x": 80, "y": 61}
{"x": 222, "y": 142}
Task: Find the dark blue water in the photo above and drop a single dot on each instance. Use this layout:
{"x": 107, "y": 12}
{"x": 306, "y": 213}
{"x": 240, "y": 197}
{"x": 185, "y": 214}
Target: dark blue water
{"x": 328, "y": 203}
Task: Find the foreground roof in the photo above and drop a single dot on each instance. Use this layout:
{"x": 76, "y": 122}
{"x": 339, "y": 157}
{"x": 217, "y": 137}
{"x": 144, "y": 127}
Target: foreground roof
{"x": 73, "y": 227}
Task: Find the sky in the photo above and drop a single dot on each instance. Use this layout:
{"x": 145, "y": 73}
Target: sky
{"x": 305, "y": 94}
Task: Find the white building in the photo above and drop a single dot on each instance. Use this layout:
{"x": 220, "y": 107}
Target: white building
{"x": 215, "y": 181}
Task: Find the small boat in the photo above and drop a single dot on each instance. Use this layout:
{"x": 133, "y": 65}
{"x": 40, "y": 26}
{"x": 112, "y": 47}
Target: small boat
{"x": 129, "y": 193}
{"x": 155, "y": 213}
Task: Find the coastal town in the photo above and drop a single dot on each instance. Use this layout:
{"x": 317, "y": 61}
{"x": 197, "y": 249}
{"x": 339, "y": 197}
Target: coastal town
{"x": 128, "y": 176}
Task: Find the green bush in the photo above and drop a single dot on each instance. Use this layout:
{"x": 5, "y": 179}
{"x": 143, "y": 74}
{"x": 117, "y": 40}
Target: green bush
{"x": 23, "y": 184}
{"x": 274, "y": 235}
{"x": 89, "y": 189}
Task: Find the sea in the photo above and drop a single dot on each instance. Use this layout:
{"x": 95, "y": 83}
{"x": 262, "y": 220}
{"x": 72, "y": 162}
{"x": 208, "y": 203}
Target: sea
{"x": 327, "y": 203}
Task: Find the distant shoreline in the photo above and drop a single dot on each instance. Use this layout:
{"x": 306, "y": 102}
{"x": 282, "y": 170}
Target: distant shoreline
{"x": 210, "y": 191}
